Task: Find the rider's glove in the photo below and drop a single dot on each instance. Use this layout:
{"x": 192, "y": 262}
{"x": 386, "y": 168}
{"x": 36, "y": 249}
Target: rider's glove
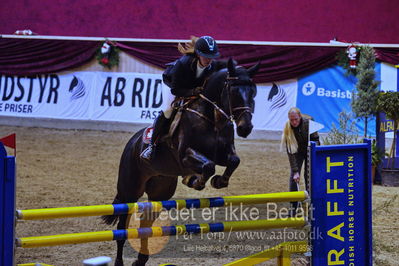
{"x": 197, "y": 90}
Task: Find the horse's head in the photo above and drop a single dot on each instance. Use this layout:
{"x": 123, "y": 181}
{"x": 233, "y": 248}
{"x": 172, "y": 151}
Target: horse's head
{"x": 238, "y": 96}
{"x": 233, "y": 90}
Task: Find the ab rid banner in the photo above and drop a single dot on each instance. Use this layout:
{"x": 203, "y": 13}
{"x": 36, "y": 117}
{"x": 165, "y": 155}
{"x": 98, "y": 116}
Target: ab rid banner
{"x": 125, "y": 97}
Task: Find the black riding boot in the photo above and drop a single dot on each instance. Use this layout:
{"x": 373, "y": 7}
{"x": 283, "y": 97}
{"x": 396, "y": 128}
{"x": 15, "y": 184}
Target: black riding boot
{"x": 159, "y": 123}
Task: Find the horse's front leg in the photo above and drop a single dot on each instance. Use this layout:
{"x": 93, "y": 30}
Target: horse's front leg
{"x": 222, "y": 181}
{"x": 201, "y": 165}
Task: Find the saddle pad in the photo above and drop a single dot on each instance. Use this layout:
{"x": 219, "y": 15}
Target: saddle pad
{"x": 174, "y": 123}
{"x": 147, "y": 134}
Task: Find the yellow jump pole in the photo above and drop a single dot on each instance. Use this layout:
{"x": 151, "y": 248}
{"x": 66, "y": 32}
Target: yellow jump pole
{"x": 76, "y": 238}
{"x": 34, "y": 264}
{"x": 129, "y": 208}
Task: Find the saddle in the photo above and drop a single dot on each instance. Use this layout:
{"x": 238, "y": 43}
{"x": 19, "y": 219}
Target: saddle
{"x": 179, "y": 104}
{"x": 175, "y": 120}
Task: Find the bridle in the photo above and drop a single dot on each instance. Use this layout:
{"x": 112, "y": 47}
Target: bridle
{"x": 227, "y": 87}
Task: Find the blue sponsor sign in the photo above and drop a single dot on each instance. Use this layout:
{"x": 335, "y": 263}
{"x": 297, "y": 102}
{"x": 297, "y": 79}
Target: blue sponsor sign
{"x": 326, "y": 93}
{"x": 341, "y": 204}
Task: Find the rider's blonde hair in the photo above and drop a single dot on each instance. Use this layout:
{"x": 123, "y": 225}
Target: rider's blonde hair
{"x": 188, "y": 47}
{"x": 288, "y": 139}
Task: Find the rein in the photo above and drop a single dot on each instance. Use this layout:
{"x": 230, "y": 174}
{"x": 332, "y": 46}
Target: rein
{"x": 231, "y": 117}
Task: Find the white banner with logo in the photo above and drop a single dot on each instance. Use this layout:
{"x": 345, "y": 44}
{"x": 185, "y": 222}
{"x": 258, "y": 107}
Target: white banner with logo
{"x": 120, "y": 97}
{"x": 46, "y": 96}
{"x": 127, "y": 97}
{"x": 272, "y": 103}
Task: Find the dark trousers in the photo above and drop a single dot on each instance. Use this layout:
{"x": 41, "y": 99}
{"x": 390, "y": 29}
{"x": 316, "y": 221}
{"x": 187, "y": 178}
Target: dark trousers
{"x": 300, "y": 158}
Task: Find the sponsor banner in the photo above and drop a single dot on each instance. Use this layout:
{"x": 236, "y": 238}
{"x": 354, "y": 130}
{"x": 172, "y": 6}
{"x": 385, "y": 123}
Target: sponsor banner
{"x": 124, "y": 97}
{"x": 326, "y": 93}
{"x": 53, "y": 96}
{"x": 127, "y": 97}
{"x": 341, "y": 204}
{"x": 386, "y": 125}
{"x": 272, "y": 103}
{"x": 389, "y": 77}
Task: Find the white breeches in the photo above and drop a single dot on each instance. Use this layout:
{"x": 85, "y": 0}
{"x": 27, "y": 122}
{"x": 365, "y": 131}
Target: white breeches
{"x": 167, "y": 99}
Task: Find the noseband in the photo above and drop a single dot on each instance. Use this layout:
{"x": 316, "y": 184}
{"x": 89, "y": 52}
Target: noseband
{"x": 243, "y": 109}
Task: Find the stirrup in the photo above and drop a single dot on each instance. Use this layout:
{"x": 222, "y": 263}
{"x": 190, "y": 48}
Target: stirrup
{"x": 147, "y": 153}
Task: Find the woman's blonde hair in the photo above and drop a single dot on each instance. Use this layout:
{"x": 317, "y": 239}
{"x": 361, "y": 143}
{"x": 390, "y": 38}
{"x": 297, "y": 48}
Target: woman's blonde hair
{"x": 288, "y": 139}
{"x": 188, "y": 47}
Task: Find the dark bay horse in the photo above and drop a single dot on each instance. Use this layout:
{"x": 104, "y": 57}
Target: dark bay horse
{"x": 203, "y": 138}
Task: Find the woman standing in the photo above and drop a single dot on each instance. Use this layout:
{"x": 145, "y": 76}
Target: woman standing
{"x": 295, "y": 138}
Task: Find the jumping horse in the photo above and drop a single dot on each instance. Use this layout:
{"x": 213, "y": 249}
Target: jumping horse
{"x": 203, "y": 138}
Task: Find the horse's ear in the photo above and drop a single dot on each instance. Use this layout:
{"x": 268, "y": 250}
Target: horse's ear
{"x": 253, "y": 69}
{"x": 231, "y": 67}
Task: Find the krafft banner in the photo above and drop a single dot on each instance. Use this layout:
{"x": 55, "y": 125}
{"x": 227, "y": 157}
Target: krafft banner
{"x": 341, "y": 204}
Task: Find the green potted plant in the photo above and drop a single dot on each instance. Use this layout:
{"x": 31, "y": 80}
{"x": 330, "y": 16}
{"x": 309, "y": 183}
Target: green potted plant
{"x": 388, "y": 103}
{"x": 377, "y": 155}
{"x": 364, "y": 99}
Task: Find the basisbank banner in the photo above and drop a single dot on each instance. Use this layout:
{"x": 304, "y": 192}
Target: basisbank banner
{"x": 326, "y": 93}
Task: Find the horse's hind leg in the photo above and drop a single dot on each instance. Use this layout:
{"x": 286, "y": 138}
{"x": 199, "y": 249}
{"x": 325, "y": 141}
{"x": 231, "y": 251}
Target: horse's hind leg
{"x": 146, "y": 221}
{"x": 143, "y": 254}
{"x": 158, "y": 188}
{"x": 122, "y": 224}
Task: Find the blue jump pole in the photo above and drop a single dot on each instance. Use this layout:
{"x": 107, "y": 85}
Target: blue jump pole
{"x": 7, "y": 207}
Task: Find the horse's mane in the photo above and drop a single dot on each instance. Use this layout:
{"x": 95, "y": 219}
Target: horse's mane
{"x": 214, "y": 84}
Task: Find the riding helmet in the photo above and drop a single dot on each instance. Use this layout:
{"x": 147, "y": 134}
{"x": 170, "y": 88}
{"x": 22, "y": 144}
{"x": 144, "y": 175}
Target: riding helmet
{"x": 206, "y": 46}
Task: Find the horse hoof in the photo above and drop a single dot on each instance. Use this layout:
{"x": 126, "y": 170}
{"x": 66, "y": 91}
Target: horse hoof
{"x": 189, "y": 180}
{"x": 219, "y": 182}
{"x": 198, "y": 185}
{"x": 118, "y": 262}
{"x": 138, "y": 263}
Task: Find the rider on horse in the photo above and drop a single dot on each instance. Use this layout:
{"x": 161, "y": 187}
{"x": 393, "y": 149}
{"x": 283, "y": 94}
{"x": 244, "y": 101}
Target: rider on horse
{"x": 185, "y": 77}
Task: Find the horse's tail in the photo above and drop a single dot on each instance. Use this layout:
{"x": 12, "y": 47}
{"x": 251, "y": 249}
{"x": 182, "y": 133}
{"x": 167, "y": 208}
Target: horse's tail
{"x": 111, "y": 219}
{"x": 128, "y": 176}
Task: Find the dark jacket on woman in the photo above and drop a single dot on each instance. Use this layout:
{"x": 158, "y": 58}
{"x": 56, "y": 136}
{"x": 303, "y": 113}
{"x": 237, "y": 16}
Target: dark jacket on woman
{"x": 301, "y": 133}
{"x": 180, "y": 76}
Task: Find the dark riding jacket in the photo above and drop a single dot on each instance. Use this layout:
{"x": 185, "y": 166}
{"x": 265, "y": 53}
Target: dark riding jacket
{"x": 301, "y": 133}
{"x": 181, "y": 76}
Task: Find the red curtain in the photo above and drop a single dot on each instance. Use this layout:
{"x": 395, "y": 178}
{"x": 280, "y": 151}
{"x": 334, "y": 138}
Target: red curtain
{"x": 277, "y": 62}
{"x": 34, "y": 56}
